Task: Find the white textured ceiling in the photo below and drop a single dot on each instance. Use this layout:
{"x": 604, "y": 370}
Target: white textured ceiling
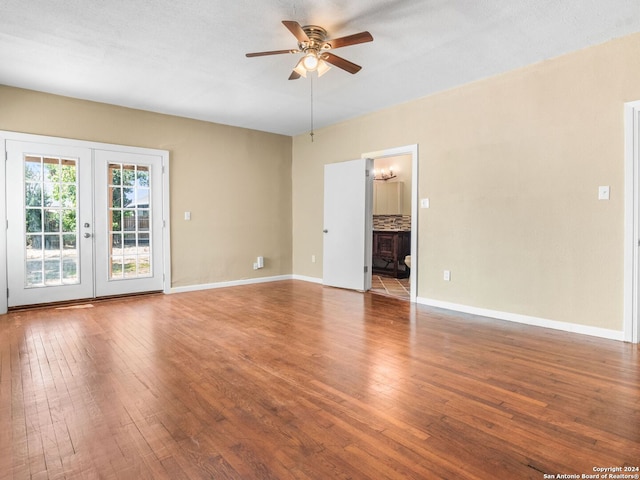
{"x": 186, "y": 57}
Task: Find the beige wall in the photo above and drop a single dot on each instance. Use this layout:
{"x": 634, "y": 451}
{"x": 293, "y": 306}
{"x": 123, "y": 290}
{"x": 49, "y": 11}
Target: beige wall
{"x": 512, "y": 166}
{"x": 235, "y": 182}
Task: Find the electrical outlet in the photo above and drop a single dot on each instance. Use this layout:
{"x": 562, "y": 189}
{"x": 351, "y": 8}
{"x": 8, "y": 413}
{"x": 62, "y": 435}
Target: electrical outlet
{"x": 313, "y": 259}
{"x": 447, "y": 275}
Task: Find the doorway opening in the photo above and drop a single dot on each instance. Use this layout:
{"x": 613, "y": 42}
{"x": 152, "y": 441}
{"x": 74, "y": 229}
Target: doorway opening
{"x": 394, "y": 226}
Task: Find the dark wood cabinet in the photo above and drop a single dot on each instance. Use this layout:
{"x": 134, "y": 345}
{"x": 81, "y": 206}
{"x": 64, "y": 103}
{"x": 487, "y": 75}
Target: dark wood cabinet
{"x": 389, "y": 250}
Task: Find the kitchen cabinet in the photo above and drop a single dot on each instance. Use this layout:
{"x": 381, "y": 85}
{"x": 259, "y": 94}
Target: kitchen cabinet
{"x": 388, "y": 198}
{"x": 389, "y": 249}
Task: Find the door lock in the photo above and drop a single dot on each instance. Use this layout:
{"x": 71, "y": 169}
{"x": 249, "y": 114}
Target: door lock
{"x": 86, "y": 225}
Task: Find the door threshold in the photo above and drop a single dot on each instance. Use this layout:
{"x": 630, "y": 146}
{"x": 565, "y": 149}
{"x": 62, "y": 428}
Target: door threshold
{"x": 81, "y": 302}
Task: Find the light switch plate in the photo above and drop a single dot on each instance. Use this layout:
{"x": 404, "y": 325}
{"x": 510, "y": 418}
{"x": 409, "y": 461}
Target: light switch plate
{"x": 187, "y": 215}
{"x": 424, "y": 203}
{"x": 603, "y": 192}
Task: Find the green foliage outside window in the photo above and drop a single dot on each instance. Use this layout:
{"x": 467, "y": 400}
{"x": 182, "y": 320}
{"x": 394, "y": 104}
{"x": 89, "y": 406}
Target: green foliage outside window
{"x": 50, "y": 195}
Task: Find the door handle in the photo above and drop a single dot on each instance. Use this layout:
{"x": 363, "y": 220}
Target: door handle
{"x": 325, "y": 231}
{"x": 87, "y": 235}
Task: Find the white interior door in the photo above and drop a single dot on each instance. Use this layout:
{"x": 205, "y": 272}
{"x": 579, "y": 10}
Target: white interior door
{"x": 49, "y": 223}
{"x": 128, "y": 218}
{"x": 348, "y": 190}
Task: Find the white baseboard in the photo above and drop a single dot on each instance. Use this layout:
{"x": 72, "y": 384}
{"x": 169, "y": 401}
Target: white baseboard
{"x": 525, "y": 319}
{"x": 233, "y": 283}
{"x": 307, "y": 279}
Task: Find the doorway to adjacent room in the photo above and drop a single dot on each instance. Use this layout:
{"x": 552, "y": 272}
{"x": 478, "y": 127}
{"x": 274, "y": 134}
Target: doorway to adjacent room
{"x": 394, "y": 225}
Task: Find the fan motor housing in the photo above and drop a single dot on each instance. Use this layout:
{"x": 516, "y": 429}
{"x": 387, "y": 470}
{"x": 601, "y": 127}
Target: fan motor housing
{"x": 317, "y": 38}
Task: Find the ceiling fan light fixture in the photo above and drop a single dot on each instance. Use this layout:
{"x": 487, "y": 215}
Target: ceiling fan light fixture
{"x": 300, "y": 69}
{"x": 323, "y": 67}
{"x": 310, "y": 61}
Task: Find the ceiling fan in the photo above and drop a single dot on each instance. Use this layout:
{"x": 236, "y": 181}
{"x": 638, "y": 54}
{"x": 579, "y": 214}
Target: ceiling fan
{"x": 313, "y": 42}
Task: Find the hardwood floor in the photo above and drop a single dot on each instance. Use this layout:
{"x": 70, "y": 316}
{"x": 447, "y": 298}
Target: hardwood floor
{"x": 291, "y": 380}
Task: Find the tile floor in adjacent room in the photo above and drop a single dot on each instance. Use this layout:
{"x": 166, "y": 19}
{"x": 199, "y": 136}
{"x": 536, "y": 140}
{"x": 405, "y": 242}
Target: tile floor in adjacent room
{"x": 396, "y": 287}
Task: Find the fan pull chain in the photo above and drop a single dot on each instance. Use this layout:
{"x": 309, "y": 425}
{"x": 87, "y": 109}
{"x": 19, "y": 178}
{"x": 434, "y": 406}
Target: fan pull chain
{"x": 311, "y": 80}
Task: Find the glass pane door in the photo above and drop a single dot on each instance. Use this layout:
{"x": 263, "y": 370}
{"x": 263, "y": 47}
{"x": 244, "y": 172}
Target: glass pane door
{"x": 49, "y": 257}
{"x": 82, "y": 222}
{"x": 128, "y": 222}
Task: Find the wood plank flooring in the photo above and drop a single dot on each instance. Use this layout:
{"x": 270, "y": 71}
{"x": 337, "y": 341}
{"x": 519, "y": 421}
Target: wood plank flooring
{"x": 290, "y": 380}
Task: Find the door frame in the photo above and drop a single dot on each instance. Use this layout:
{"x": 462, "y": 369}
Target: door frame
{"x": 32, "y": 138}
{"x": 631, "y": 221}
{"x": 395, "y": 152}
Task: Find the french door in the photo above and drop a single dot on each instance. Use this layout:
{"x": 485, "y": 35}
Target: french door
{"x": 81, "y": 222}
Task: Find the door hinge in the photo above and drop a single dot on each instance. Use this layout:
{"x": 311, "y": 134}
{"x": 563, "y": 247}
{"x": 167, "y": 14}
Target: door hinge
{"x": 366, "y": 174}
{"x": 366, "y": 269}
{"x": 7, "y": 293}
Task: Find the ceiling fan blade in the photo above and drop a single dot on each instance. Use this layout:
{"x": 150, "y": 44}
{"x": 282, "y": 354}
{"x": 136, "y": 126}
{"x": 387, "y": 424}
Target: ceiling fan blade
{"x": 341, "y": 62}
{"x": 272, "y": 52}
{"x": 362, "y": 37}
{"x": 294, "y": 75}
{"x": 295, "y": 28}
